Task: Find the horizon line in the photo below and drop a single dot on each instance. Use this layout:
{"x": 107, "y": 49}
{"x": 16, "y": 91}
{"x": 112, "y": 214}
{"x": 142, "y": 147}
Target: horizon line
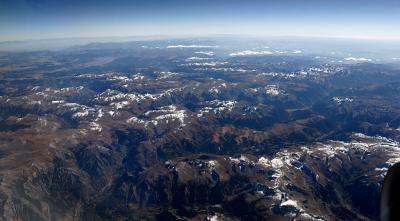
{"x": 164, "y": 36}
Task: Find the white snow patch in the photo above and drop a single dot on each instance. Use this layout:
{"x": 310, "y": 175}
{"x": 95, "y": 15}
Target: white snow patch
{"x": 135, "y": 120}
{"x": 339, "y": 100}
{"x": 120, "y": 105}
{"x": 81, "y": 114}
{"x": 290, "y": 203}
{"x": 138, "y": 76}
{"x": 212, "y": 218}
{"x": 276, "y": 163}
{"x": 272, "y": 90}
{"x": 168, "y": 114}
{"x": 264, "y": 162}
{"x": 58, "y": 102}
{"x": 218, "y": 107}
{"x": 95, "y": 127}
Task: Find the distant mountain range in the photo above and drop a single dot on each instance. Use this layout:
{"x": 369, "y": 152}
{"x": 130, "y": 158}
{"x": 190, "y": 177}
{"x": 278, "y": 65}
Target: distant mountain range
{"x": 196, "y": 129}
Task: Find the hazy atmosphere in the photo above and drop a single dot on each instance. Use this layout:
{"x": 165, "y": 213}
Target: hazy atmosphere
{"x": 42, "y": 19}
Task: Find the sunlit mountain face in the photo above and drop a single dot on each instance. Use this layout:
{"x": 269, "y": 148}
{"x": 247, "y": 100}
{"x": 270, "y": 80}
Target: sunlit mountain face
{"x": 217, "y": 128}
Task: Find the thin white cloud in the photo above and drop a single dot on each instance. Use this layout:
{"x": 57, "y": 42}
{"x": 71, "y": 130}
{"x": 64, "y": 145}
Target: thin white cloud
{"x": 250, "y": 53}
{"x": 197, "y": 59}
{"x": 191, "y": 46}
{"x": 357, "y": 59}
{"x": 209, "y": 53}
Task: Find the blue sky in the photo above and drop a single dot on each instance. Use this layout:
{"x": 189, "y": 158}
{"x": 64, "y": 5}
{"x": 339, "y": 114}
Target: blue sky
{"x": 41, "y": 19}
